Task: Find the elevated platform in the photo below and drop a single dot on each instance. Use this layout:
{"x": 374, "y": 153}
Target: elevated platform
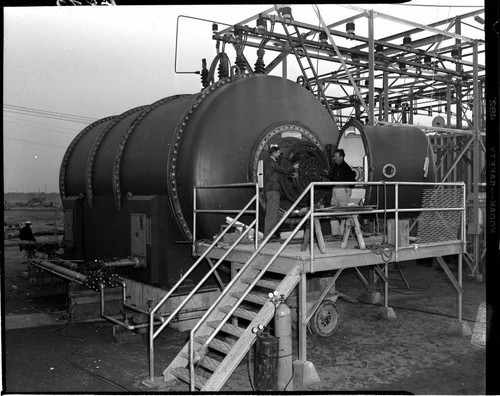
{"x": 334, "y": 257}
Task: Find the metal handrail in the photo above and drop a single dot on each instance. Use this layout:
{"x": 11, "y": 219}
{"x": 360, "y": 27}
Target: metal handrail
{"x": 309, "y": 215}
{"x": 165, "y": 322}
{"x": 237, "y": 276}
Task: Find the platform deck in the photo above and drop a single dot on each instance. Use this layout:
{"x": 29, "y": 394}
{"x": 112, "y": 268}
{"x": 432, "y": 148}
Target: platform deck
{"x": 335, "y": 257}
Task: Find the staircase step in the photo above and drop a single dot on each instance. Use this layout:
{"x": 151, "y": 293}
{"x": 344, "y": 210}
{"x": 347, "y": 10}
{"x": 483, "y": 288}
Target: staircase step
{"x": 270, "y": 284}
{"x": 207, "y": 362}
{"x": 183, "y": 374}
{"x": 239, "y": 312}
{"x": 252, "y": 297}
{"x": 228, "y": 328}
{"x": 216, "y": 344}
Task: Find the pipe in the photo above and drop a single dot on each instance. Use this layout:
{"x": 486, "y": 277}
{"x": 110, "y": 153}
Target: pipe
{"x": 123, "y": 262}
{"x": 65, "y": 263}
{"x": 58, "y": 270}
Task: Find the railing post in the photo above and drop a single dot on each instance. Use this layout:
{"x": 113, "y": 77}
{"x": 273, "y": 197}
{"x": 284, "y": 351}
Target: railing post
{"x": 311, "y": 227}
{"x": 193, "y": 245}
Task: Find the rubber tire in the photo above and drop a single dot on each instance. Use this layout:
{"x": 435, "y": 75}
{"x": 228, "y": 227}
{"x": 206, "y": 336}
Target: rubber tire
{"x": 325, "y": 320}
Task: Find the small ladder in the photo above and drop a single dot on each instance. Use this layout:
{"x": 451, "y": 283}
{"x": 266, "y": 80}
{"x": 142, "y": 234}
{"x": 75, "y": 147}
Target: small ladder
{"x": 313, "y": 83}
{"x": 222, "y": 339}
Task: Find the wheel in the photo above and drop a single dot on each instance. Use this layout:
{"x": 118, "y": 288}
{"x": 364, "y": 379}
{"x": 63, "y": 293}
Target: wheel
{"x": 325, "y": 320}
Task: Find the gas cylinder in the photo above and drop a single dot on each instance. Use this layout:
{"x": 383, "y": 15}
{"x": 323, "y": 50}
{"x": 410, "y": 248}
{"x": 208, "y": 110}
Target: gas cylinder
{"x": 266, "y": 362}
{"x": 283, "y": 330}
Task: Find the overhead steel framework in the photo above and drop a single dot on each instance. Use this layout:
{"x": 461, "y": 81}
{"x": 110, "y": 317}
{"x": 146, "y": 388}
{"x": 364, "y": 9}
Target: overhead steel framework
{"x": 431, "y": 75}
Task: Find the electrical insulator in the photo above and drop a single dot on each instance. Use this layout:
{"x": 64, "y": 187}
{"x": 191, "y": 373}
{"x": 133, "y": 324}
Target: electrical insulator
{"x": 455, "y": 53}
{"x": 261, "y": 25}
{"x": 215, "y": 27}
{"x": 407, "y": 41}
{"x": 238, "y": 31}
{"x": 240, "y": 62}
{"x": 323, "y": 37}
{"x": 260, "y": 66}
{"x": 222, "y": 70}
{"x": 285, "y": 10}
{"x": 350, "y": 28}
{"x": 427, "y": 60}
{"x": 204, "y": 73}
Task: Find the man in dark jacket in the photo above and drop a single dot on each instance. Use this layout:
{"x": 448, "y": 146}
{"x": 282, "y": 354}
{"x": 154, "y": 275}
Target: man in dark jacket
{"x": 272, "y": 187}
{"x": 341, "y": 195}
{"x": 27, "y": 241}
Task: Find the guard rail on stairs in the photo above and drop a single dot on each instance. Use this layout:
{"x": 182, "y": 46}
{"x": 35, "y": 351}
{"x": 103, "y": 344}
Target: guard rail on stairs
{"x": 165, "y": 321}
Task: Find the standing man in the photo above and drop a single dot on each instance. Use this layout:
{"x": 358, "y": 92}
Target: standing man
{"x": 27, "y": 241}
{"x": 272, "y": 187}
{"x": 341, "y": 172}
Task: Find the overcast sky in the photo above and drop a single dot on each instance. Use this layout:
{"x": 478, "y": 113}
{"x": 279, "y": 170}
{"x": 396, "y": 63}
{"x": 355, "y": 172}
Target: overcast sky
{"x": 67, "y": 66}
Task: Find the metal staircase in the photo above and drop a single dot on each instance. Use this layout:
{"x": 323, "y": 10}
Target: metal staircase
{"x": 223, "y": 337}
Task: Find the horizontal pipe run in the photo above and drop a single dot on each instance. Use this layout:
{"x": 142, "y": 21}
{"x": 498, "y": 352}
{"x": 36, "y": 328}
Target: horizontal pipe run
{"x": 72, "y": 275}
{"x": 58, "y": 274}
{"x": 122, "y": 263}
{"x": 65, "y": 263}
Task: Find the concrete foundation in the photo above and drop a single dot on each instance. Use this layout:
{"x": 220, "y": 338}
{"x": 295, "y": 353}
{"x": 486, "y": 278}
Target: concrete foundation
{"x": 304, "y": 373}
{"x": 460, "y": 329}
{"x": 387, "y": 313}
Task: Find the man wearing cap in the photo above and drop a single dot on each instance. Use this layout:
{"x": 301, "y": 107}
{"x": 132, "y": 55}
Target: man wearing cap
{"x": 27, "y": 240}
{"x": 272, "y": 187}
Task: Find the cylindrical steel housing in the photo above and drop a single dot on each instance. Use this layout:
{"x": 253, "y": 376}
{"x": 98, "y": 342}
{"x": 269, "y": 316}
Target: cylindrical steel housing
{"x": 388, "y": 154}
{"x": 127, "y": 181}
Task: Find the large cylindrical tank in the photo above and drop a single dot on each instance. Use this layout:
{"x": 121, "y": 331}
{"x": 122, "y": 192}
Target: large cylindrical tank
{"x": 388, "y": 154}
{"x": 127, "y": 181}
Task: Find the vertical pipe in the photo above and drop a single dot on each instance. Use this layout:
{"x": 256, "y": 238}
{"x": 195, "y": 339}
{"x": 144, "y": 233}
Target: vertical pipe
{"x": 371, "y": 69}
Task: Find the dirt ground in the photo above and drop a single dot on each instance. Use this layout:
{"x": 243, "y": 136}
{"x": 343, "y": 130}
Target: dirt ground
{"x": 413, "y": 353}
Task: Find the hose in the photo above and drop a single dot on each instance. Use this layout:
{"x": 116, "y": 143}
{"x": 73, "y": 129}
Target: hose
{"x": 74, "y": 365}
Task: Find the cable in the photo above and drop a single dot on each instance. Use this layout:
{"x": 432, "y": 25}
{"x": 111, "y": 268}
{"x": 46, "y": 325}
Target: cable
{"x": 421, "y": 311}
{"x": 46, "y": 113}
{"x": 74, "y": 365}
{"x": 35, "y": 143}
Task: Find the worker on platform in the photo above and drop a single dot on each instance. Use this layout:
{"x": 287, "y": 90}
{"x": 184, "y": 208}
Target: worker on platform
{"x": 272, "y": 187}
{"x": 28, "y": 241}
{"x": 341, "y": 172}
